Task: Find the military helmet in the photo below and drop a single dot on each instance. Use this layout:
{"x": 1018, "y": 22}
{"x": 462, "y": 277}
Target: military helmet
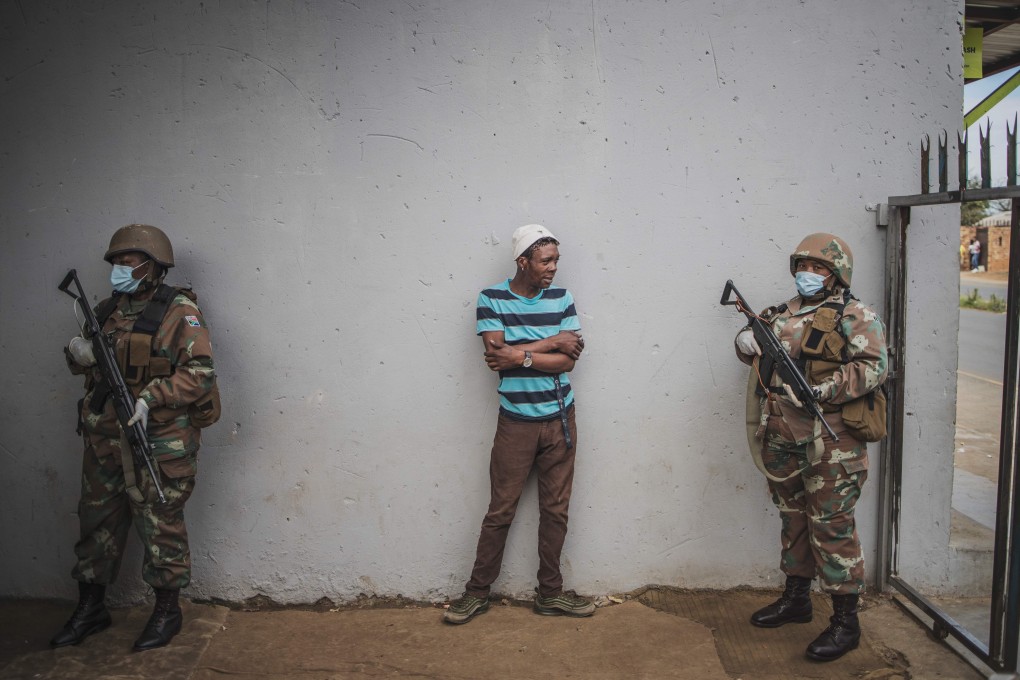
{"x": 142, "y": 238}
{"x": 832, "y": 251}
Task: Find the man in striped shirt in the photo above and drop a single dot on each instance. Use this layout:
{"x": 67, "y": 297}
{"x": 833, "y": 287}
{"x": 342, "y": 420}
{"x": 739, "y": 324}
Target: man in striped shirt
{"x": 532, "y": 338}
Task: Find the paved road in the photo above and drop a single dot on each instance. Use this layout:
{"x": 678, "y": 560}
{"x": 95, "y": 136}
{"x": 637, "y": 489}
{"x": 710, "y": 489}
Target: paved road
{"x": 984, "y": 286}
{"x": 982, "y": 334}
{"x": 982, "y": 343}
{"x": 982, "y": 346}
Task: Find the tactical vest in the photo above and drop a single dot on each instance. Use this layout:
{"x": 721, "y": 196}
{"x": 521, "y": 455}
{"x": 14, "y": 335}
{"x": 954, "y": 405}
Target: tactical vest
{"x": 823, "y": 350}
{"x": 137, "y": 358}
{"x": 823, "y": 346}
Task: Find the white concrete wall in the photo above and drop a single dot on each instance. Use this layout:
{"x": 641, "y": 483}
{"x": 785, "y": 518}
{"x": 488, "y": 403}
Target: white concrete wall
{"x": 340, "y": 179}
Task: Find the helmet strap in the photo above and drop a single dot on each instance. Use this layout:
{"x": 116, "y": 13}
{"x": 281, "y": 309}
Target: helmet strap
{"x": 153, "y": 277}
{"x": 830, "y": 289}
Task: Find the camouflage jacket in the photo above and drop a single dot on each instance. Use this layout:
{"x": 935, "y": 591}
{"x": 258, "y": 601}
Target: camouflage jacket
{"x": 867, "y": 356}
{"x": 183, "y": 340}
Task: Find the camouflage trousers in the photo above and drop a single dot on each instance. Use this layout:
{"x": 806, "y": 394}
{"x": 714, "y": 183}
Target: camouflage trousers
{"x": 106, "y": 513}
{"x": 819, "y": 535}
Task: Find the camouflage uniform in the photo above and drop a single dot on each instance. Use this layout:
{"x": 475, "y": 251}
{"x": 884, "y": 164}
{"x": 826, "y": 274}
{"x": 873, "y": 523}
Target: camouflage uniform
{"x": 106, "y": 510}
{"x": 823, "y": 478}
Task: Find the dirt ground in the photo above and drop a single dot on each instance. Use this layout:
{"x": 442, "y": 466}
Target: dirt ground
{"x": 658, "y": 633}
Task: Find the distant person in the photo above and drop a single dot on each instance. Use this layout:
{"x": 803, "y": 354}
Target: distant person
{"x": 532, "y": 337}
{"x": 161, "y": 342}
{"x": 839, "y": 343}
{"x": 975, "y": 254}
{"x": 964, "y": 256}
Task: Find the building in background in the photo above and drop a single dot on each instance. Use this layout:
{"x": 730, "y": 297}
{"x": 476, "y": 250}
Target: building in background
{"x": 992, "y": 232}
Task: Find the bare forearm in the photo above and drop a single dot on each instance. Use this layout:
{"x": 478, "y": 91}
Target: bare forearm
{"x": 552, "y": 362}
{"x": 556, "y": 354}
{"x": 543, "y": 346}
{"x": 547, "y": 362}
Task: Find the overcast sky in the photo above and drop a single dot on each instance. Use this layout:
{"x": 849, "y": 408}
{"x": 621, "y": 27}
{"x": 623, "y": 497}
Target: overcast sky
{"x": 1004, "y": 111}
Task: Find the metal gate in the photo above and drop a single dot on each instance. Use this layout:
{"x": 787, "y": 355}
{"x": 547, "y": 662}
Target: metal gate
{"x": 1000, "y": 653}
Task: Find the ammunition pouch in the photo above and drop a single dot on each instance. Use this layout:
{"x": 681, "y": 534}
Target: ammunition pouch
{"x": 134, "y": 354}
{"x": 824, "y": 340}
{"x": 823, "y": 348}
{"x": 865, "y": 417}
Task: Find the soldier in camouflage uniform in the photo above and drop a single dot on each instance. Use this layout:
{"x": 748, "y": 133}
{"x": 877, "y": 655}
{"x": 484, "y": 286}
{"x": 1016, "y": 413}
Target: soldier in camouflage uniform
{"x": 170, "y": 373}
{"x": 815, "y": 482}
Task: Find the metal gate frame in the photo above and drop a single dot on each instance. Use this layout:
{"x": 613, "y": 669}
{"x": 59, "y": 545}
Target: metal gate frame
{"x": 1004, "y": 630}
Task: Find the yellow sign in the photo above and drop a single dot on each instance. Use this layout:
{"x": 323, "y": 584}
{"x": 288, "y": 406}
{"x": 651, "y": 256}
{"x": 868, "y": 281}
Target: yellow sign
{"x": 972, "y": 39}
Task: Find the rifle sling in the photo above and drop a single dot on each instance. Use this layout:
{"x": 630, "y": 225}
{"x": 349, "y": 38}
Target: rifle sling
{"x": 127, "y": 463}
{"x": 152, "y": 316}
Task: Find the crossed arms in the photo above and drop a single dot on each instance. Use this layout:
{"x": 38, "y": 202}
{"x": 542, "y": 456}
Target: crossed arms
{"x": 555, "y": 354}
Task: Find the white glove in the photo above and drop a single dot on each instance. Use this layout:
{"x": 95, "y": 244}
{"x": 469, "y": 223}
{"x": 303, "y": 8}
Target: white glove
{"x": 746, "y": 342}
{"x": 141, "y": 415}
{"x": 81, "y": 351}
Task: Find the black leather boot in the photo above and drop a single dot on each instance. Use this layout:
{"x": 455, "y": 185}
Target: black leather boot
{"x": 90, "y": 616}
{"x": 164, "y": 623}
{"x": 794, "y": 606}
{"x": 843, "y": 633}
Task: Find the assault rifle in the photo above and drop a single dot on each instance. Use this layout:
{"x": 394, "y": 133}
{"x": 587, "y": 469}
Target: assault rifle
{"x": 775, "y": 358}
{"x": 123, "y": 401}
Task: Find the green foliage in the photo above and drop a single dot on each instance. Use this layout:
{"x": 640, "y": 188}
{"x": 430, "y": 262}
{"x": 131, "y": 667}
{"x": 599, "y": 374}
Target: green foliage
{"x": 972, "y": 212}
{"x": 992, "y": 304}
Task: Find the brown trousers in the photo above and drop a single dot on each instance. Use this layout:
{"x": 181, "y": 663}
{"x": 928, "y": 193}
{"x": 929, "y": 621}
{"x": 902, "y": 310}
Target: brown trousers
{"x": 517, "y": 448}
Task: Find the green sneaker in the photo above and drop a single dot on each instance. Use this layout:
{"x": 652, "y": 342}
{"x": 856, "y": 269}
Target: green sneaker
{"x": 465, "y": 608}
{"x": 564, "y": 604}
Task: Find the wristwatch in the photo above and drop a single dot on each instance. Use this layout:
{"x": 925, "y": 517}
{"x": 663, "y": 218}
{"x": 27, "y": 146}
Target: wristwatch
{"x": 527, "y": 360}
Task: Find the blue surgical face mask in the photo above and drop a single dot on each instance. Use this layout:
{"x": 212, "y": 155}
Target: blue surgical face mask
{"x": 122, "y": 280}
{"x": 809, "y": 284}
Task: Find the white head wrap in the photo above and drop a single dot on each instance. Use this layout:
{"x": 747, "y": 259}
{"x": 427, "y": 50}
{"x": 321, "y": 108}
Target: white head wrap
{"x": 525, "y": 236}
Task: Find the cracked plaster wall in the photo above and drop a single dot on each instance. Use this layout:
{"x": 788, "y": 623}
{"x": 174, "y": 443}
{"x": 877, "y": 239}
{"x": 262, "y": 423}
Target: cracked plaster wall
{"x": 340, "y": 179}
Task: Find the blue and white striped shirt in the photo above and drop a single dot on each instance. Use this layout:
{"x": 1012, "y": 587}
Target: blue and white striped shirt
{"x": 527, "y": 393}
